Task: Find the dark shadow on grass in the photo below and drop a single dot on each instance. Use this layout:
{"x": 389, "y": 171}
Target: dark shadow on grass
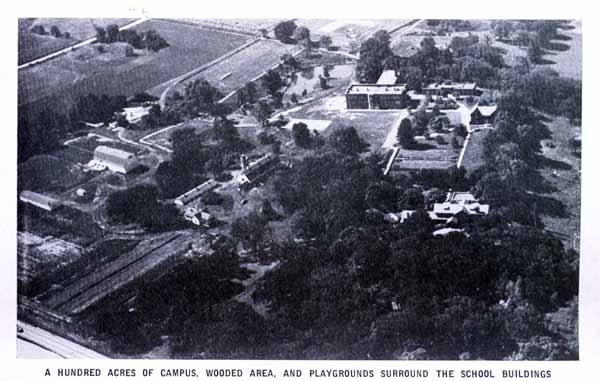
{"x": 420, "y": 147}
{"x": 548, "y": 206}
{"x": 562, "y": 37}
{"x": 545, "y": 61}
{"x": 557, "y": 46}
{"x": 546, "y": 162}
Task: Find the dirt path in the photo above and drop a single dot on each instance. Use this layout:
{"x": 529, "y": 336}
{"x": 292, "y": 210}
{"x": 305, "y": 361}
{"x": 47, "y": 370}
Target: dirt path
{"x": 250, "y": 286}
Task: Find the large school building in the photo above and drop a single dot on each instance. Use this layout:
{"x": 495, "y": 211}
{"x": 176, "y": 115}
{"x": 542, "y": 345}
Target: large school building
{"x": 387, "y": 94}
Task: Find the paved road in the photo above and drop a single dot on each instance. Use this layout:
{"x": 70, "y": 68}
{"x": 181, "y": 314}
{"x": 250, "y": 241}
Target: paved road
{"x": 37, "y": 342}
{"x": 73, "y": 47}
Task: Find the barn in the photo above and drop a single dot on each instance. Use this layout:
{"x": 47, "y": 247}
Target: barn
{"x": 115, "y": 159}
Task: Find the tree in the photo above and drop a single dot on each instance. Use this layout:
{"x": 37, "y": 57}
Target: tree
{"x": 325, "y": 42}
{"x": 284, "y": 31}
{"x": 346, "y": 141}
{"x": 373, "y": 52}
{"x": 301, "y": 135}
{"x": 301, "y": 33}
{"x": 100, "y": 35}
{"x": 225, "y": 130}
{"x": 461, "y": 130}
{"x": 54, "y": 31}
{"x": 272, "y": 82}
{"x": 112, "y": 33}
{"x": 534, "y": 52}
{"x": 262, "y": 111}
{"x": 289, "y": 60}
{"x": 252, "y": 230}
{"x": 39, "y": 29}
{"x": 454, "y": 143}
{"x": 405, "y": 135}
{"x": 294, "y": 98}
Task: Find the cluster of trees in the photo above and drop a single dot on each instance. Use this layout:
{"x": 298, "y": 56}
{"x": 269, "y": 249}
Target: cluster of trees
{"x": 290, "y": 33}
{"x": 465, "y": 59}
{"x": 193, "y": 158}
{"x": 96, "y": 109}
{"x": 54, "y": 31}
{"x": 191, "y": 304}
{"x": 535, "y": 35}
{"x": 545, "y": 90}
{"x": 199, "y": 97}
{"x": 356, "y": 287}
{"x": 158, "y": 118}
{"x": 442, "y": 27}
{"x": 149, "y": 39}
{"x": 141, "y": 204}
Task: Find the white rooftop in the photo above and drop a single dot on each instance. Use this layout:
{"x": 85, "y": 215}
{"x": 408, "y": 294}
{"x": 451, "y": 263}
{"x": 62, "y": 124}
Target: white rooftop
{"x": 388, "y": 77}
{"x": 114, "y": 152}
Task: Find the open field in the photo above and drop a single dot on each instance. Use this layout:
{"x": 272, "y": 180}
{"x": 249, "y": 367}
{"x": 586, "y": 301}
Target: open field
{"x": 48, "y": 173}
{"x": 473, "y": 154}
{"x": 252, "y": 26}
{"x": 242, "y": 67}
{"x": 32, "y": 46}
{"x": 568, "y": 62}
{"x": 58, "y": 83}
{"x": 343, "y": 33}
{"x": 562, "y": 169}
{"x": 163, "y": 137}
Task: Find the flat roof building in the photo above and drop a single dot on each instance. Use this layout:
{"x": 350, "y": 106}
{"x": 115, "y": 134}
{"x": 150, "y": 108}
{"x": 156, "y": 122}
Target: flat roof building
{"x": 115, "y": 159}
{"x": 195, "y": 193}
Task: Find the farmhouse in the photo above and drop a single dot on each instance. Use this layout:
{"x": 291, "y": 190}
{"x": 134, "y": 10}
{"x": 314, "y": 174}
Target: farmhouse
{"x": 457, "y": 205}
{"x": 39, "y": 200}
{"x": 135, "y": 114}
{"x": 195, "y": 193}
{"x": 115, "y": 159}
{"x": 198, "y": 216}
{"x": 483, "y": 115}
{"x": 253, "y": 173}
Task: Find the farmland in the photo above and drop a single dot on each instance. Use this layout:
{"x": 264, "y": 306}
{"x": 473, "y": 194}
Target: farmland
{"x": 32, "y": 46}
{"x": 344, "y": 33}
{"x": 240, "y": 68}
{"x": 59, "y": 82}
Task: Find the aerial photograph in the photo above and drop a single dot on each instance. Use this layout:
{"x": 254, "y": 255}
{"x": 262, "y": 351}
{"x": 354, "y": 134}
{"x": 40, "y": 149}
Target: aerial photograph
{"x": 298, "y": 189}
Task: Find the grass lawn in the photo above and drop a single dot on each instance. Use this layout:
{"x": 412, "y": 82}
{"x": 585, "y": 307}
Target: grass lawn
{"x": 373, "y": 127}
{"x": 568, "y": 62}
{"x": 59, "y": 82}
{"x": 473, "y": 154}
{"x": 563, "y": 171}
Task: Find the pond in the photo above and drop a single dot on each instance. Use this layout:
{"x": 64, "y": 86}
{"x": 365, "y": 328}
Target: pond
{"x": 309, "y": 79}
